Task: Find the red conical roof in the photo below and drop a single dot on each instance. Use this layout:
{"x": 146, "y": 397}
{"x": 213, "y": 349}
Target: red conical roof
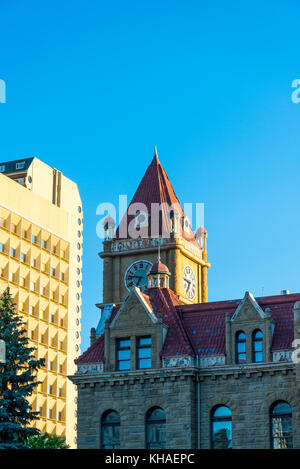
{"x": 154, "y": 188}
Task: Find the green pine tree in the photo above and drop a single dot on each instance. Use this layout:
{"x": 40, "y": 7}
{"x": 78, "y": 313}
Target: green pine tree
{"x": 17, "y": 378}
{"x": 47, "y": 441}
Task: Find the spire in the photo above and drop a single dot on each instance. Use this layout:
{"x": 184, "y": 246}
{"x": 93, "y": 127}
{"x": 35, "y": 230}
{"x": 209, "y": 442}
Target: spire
{"x": 155, "y": 190}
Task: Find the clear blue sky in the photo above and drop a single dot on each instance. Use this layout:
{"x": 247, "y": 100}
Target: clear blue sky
{"x": 93, "y": 85}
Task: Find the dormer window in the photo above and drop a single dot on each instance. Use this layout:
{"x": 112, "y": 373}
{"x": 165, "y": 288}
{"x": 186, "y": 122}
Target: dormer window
{"x": 2, "y": 168}
{"x": 20, "y": 165}
{"x": 240, "y": 347}
{"x": 143, "y": 349}
{"x": 257, "y": 346}
{"x": 123, "y": 354}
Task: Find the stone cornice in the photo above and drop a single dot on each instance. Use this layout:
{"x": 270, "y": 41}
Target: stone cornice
{"x": 162, "y": 374}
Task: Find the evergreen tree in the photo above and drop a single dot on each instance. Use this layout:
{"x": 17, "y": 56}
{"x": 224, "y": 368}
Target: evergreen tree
{"x": 46, "y": 441}
{"x": 17, "y": 378}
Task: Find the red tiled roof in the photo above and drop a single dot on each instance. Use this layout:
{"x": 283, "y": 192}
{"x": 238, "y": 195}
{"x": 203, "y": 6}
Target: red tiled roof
{"x": 154, "y": 188}
{"x": 205, "y": 323}
{"x": 94, "y": 354}
{"x": 199, "y": 329}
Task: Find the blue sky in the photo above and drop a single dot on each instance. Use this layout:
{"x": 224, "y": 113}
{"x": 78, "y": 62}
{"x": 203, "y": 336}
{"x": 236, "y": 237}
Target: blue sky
{"x": 92, "y": 86}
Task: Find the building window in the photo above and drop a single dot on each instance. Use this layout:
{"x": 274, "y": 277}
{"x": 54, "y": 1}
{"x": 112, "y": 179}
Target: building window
{"x": 52, "y": 271}
{"x": 257, "y": 346}
{"x": 110, "y": 430}
{"x": 281, "y": 426}
{"x": 240, "y": 347}
{"x": 12, "y": 252}
{"x": 43, "y": 244}
{"x": 33, "y": 239}
{"x": 123, "y": 354}
{"x": 221, "y": 428}
{"x": 20, "y": 165}
{"x": 23, "y": 257}
{"x": 1, "y": 247}
{"x": 143, "y": 352}
{"x": 156, "y": 428}
{"x": 2, "y": 168}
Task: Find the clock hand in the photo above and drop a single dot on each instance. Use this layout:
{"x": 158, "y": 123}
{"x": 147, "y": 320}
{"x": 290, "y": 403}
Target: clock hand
{"x": 139, "y": 277}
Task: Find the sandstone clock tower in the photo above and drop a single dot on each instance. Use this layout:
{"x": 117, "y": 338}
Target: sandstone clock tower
{"x": 154, "y": 221}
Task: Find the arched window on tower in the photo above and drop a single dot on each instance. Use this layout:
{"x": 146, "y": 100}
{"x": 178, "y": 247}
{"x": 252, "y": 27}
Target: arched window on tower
{"x": 110, "y": 430}
{"x": 221, "y": 428}
{"x": 257, "y": 346}
{"x": 156, "y": 428}
{"x": 281, "y": 425}
{"x": 240, "y": 347}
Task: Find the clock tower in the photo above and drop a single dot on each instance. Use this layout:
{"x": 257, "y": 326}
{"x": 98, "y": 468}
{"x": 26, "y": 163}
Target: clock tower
{"x": 154, "y": 221}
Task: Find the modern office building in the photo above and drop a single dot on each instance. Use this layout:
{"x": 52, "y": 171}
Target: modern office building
{"x": 40, "y": 260}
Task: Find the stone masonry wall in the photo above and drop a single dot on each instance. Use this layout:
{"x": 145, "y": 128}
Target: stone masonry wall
{"x": 132, "y": 399}
{"x": 248, "y": 393}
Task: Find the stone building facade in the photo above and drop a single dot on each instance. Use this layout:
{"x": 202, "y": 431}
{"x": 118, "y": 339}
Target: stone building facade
{"x": 167, "y": 371}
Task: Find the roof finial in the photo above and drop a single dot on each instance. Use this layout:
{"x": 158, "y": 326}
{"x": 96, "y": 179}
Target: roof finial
{"x": 158, "y": 257}
{"x": 155, "y": 151}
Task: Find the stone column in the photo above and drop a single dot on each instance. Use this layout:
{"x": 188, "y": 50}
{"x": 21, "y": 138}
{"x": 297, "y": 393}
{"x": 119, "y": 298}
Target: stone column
{"x": 107, "y": 345}
{"x": 204, "y": 284}
{"x": 268, "y": 334}
{"x": 228, "y": 339}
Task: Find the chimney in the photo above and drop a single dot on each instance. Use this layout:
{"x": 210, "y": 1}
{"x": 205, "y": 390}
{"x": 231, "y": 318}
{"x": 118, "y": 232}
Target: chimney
{"x": 93, "y": 335}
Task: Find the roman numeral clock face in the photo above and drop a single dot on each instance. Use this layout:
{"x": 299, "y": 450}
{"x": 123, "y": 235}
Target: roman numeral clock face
{"x": 189, "y": 282}
{"x": 136, "y": 275}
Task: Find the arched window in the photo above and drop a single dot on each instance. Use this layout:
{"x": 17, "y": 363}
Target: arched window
{"x": 156, "y": 428}
{"x": 240, "y": 347}
{"x": 110, "y": 430}
{"x": 221, "y": 428}
{"x": 257, "y": 346}
{"x": 281, "y": 425}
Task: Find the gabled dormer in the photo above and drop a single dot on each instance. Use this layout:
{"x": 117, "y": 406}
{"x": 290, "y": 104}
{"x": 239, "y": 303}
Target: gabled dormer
{"x": 135, "y": 337}
{"x": 249, "y": 333}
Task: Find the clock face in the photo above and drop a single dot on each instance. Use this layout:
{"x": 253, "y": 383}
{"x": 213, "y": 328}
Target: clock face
{"x": 136, "y": 274}
{"x": 189, "y": 282}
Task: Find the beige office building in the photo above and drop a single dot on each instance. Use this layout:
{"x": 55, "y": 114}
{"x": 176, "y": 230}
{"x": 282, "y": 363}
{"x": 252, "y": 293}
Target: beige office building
{"x": 41, "y": 261}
